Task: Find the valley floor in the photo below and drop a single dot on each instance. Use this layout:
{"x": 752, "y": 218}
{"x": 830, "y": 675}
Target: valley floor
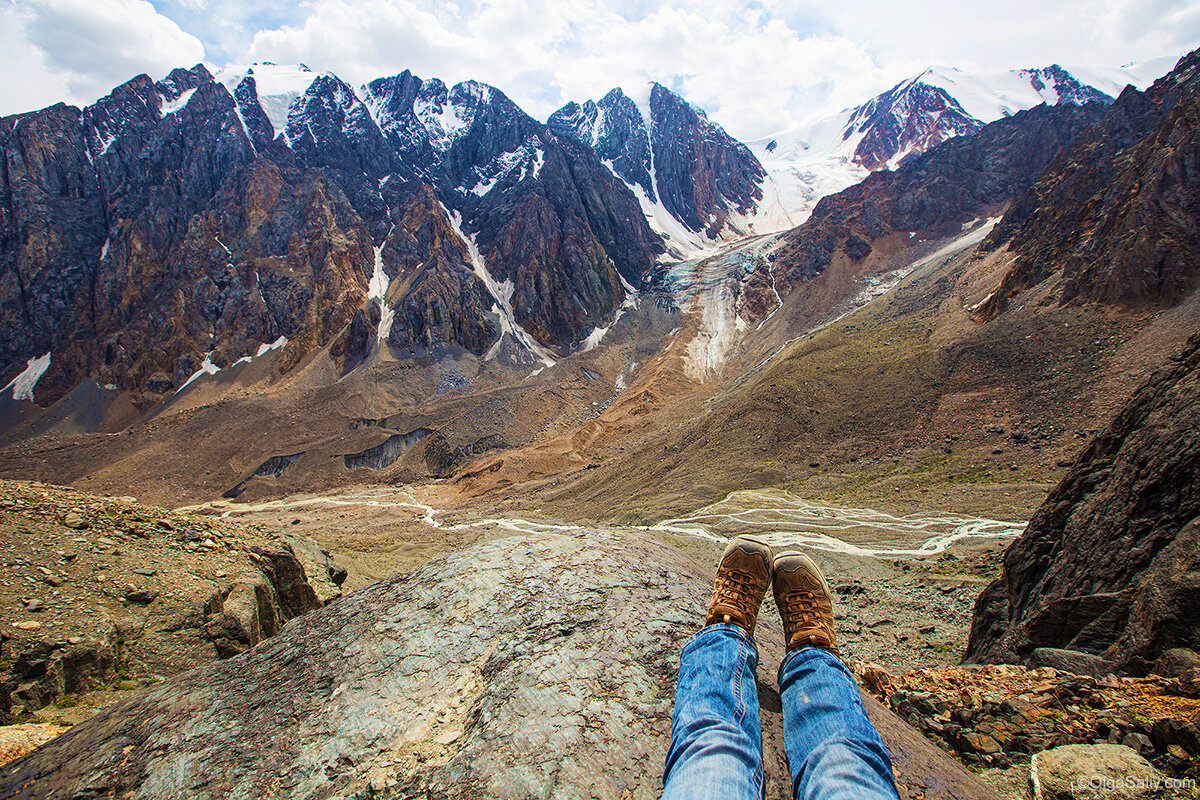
{"x": 906, "y": 583}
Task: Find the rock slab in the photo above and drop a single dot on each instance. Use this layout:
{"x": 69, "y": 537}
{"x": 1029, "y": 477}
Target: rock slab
{"x": 536, "y": 666}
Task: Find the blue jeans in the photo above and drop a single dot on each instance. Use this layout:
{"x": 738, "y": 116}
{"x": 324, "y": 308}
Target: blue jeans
{"x": 833, "y": 750}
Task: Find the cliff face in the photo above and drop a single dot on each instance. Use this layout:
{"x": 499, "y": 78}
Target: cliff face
{"x": 1108, "y": 565}
{"x": 542, "y": 212}
{"x": 1116, "y": 214}
{"x": 173, "y": 227}
{"x": 671, "y": 153}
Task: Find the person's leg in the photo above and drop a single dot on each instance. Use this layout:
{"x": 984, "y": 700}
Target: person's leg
{"x": 716, "y": 736}
{"x": 833, "y": 750}
{"x": 716, "y": 739}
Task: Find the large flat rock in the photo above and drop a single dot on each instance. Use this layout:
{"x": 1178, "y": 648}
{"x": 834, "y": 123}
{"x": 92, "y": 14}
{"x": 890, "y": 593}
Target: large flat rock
{"x": 535, "y": 666}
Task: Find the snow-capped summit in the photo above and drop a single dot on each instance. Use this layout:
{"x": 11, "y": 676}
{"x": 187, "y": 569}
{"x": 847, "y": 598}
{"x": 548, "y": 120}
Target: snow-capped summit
{"x": 834, "y": 152}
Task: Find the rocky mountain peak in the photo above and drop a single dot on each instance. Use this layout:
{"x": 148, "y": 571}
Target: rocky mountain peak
{"x": 911, "y": 117}
{"x": 330, "y": 126}
{"x": 695, "y": 182}
{"x": 616, "y": 129}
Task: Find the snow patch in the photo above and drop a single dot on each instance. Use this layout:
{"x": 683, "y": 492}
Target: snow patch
{"x": 22, "y": 385}
{"x": 106, "y": 141}
{"x": 278, "y": 87}
{"x": 206, "y": 368}
{"x": 377, "y": 291}
{"x": 265, "y": 348}
{"x": 502, "y": 293}
{"x": 171, "y": 106}
{"x": 980, "y": 304}
{"x": 529, "y": 156}
{"x": 597, "y": 335}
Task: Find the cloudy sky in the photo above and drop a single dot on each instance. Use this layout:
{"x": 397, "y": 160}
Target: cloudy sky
{"x": 756, "y": 66}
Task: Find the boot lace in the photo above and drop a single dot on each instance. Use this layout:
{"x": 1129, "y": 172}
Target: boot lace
{"x": 736, "y": 584}
{"x": 800, "y": 604}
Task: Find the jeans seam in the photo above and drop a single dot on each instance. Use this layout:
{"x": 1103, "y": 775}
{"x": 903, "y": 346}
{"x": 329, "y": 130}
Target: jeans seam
{"x": 737, "y": 681}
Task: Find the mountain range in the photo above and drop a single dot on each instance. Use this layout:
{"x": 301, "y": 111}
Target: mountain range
{"x": 420, "y": 215}
{"x": 832, "y": 152}
{"x": 444, "y": 275}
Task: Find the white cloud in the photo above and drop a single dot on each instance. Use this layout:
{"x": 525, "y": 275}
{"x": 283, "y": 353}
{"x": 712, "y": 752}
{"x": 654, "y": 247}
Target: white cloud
{"x": 755, "y": 65}
{"x": 78, "y": 50}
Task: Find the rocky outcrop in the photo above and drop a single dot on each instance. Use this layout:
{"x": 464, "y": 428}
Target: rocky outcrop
{"x": 525, "y": 667}
{"x": 134, "y": 591}
{"x": 1108, "y": 564}
{"x": 1115, "y": 215}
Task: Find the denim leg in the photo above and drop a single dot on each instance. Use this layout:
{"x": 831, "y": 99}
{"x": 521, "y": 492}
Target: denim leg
{"x": 833, "y": 750}
{"x": 716, "y": 736}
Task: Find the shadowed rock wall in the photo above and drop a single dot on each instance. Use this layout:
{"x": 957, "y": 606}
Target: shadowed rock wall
{"x": 1108, "y": 565}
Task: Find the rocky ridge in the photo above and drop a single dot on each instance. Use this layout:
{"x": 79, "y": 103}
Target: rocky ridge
{"x": 107, "y": 591}
{"x": 936, "y": 193}
{"x": 1107, "y": 566}
{"x": 1110, "y": 220}
{"x": 169, "y": 230}
{"x": 672, "y": 156}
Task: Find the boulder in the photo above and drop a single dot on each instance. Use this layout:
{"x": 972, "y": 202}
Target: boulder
{"x": 1071, "y": 661}
{"x": 1085, "y": 771}
{"x": 1011, "y": 783}
{"x": 1176, "y": 661}
{"x": 1187, "y": 684}
{"x": 535, "y": 666}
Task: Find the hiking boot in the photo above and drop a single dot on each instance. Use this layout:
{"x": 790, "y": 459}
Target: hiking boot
{"x": 742, "y": 580}
{"x": 805, "y": 603}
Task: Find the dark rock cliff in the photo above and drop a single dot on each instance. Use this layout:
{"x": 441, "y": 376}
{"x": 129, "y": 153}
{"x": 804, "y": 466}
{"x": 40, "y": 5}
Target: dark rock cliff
{"x": 1117, "y": 212}
{"x": 544, "y": 213}
{"x": 1110, "y": 563}
{"x": 678, "y": 156}
{"x": 169, "y": 226}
